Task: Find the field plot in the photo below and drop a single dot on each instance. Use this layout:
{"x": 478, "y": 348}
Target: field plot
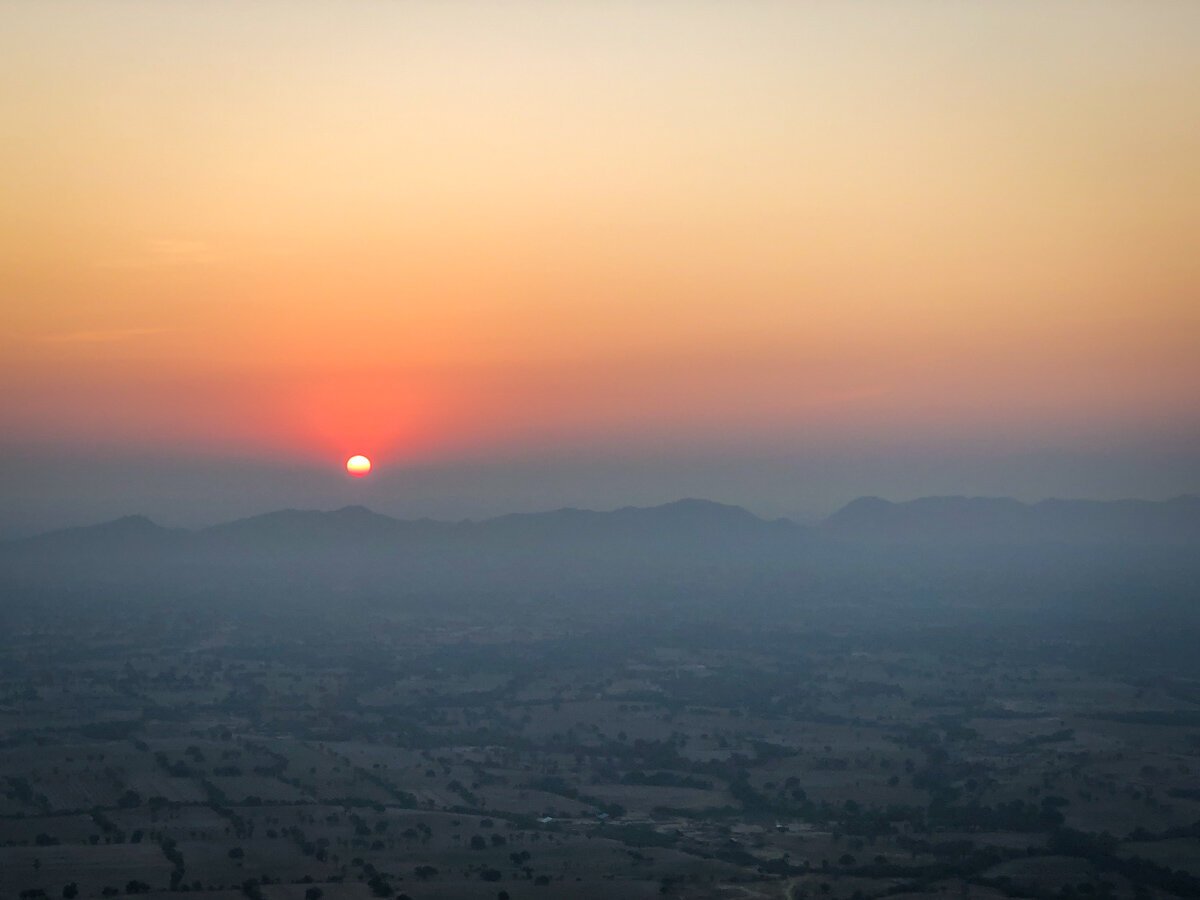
{"x": 80, "y": 790}
{"x": 243, "y": 789}
{"x": 563, "y": 889}
{"x": 773, "y": 764}
{"x": 152, "y": 783}
{"x": 69, "y": 829}
{"x": 1051, "y": 872}
{"x": 350, "y": 890}
{"x": 1174, "y": 853}
{"x": 92, "y": 868}
{"x": 1128, "y": 811}
{"x": 946, "y": 890}
{"x": 177, "y": 822}
{"x": 532, "y": 802}
{"x": 229, "y": 862}
{"x": 341, "y": 785}
{"x": 640, "y": 799}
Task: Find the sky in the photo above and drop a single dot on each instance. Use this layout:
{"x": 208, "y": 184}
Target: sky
{"x": 534, "y": 254}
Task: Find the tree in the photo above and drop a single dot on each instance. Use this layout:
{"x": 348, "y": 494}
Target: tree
{"x": 379, "y": 886}
{"x": 129, "y": 800}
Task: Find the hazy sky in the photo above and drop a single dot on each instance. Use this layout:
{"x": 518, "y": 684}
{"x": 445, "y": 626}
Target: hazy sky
{"x": 525, "y": 254}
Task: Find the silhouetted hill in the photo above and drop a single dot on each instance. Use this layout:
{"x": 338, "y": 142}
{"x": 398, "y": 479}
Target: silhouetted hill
{"x": 688, "y": 527}
{"x": 699, "y": 524}
{"x": 683, "y": 520}
{"x": 307, "y": 529}
{"x": 127, "y": 535}
{"x": 643, "y": 559}
{"x": 1004, "y": 521}
{"x": 358, "y": 527}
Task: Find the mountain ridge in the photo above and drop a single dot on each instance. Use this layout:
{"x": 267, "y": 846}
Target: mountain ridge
{"x": 953, "y": 517}
{"x": 959, "y": 519}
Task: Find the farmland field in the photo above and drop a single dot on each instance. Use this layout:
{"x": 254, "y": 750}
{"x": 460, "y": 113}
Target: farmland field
{"x": 721, "y": 762}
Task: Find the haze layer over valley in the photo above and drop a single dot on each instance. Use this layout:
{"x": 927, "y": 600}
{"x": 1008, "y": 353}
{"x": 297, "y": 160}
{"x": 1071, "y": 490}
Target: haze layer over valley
{"x": 943, "y": 696}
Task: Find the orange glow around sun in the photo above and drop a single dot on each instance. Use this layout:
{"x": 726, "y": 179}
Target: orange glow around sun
{"x": 548, "y": 255}
{"x": 358, "y": 466}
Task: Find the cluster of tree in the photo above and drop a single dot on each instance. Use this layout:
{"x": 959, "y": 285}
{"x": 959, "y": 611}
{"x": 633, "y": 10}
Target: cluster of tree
{"x": 1101, "y": 851}
{"x": 552, "y": 784}
{"x": 1015, "y": 815}
{"x": 175, "y": 858}
{"x": 665, "y": 779}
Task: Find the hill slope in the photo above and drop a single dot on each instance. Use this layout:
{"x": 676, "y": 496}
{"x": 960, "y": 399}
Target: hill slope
{"x": 1006, "y": 521}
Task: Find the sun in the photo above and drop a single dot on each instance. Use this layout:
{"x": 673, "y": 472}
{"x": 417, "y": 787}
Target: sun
{"x": 358, "y": 466}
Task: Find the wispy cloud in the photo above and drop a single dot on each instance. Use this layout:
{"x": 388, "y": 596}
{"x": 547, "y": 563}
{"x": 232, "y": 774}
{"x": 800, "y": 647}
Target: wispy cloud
{"x": 96, "y": 336}
{"x": 164, "y": 252}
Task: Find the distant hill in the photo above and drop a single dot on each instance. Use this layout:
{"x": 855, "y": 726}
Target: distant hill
{"x": 306, "y": 530}
{"x": 684, "y": 519}
{"x": 120, "y": 537}
{"x": 686, "y": 531}
{"x": 1001, "y": 520}
{"x": 691, "y": 524}
{"x": 642, "y": 559}
{"x": 358, "y": 526}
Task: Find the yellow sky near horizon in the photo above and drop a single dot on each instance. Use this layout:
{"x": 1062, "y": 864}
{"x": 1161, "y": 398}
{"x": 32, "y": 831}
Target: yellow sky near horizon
{"x": 471, "y": 228}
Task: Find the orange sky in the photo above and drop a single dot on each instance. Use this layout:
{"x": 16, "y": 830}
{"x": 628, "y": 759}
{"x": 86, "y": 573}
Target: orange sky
{"x": 436, "y": 231}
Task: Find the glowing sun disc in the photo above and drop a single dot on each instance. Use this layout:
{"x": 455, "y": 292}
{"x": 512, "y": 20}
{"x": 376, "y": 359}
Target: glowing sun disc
{"x": 358, "y": 466}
